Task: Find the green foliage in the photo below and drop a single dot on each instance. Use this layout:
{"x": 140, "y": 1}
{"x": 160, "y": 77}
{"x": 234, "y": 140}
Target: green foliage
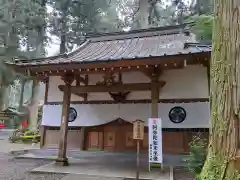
{"x": 26, "y": 137}
{"x": 14, "y": 139}
{"x": 40, "y": 112}
{"x": 70, "y": 20}
{"x": 29, "y": 133}
{"x": 20, "y": 37}
{"x": 197, "y": 156}
{"x": 203, "y": 27}
{"x": 218, "y": 167}
{"x": 164, "y": 13}
{"x": 19, "y": 23}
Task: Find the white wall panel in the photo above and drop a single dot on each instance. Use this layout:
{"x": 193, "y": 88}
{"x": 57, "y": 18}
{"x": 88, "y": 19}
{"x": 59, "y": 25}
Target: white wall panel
{"x": 198, "y": 114}
{"x": 190, "y": 82}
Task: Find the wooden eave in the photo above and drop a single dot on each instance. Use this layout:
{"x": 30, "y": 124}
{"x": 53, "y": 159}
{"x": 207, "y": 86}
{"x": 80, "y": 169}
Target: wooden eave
{"x": 165, "y": 62}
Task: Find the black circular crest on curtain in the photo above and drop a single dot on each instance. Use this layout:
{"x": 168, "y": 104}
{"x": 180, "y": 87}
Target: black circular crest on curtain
{"x": 177, "y": 114}
{"x": 72, "y": 115}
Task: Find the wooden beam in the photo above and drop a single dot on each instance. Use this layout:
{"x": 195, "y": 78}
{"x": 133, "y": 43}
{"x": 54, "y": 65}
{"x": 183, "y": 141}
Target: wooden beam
{"x": 82, "y": 95}
{"x": 136, "y": 101}
{"x": 114, "y": 88}
{"x": 46, "y": 73}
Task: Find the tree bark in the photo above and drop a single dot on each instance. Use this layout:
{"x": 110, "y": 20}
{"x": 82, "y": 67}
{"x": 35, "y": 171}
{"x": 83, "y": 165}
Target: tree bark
{"x": 141, "y": 20}
{"x": 33, "y": 108}
{"x": 63, "y": 44}
{"x": 225, "y": 93}
{"x": 63, "y": 36}
{"x": 3, "y": 97}
{"x": 40, "y": 52}
{"x": 23, "y": 82}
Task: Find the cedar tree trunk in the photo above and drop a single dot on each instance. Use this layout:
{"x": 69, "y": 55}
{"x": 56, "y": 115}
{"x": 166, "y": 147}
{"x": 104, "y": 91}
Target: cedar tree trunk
{"x": 33, "y": 107}
{"x": 225, "y": 93}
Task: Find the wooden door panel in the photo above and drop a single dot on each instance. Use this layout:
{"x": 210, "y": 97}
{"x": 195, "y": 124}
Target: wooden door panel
{"x": 95, "y": 140}
{"x": 173, "y": 142}
{"x": 129, "y": 140}
{"x": 109, "y": 140}
{"x": 145, "y": 141}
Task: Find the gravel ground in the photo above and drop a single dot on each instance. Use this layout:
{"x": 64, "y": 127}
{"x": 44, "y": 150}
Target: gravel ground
{"x": 17, "y": 169}
{"x": 181, "y": 173}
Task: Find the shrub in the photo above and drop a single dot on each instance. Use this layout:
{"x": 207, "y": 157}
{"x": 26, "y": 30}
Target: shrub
{"x": 197, "y": 155}
{"x": 29, "y": 133}
{"x": 14, "y": 139}
{"x": 27, "y": 137}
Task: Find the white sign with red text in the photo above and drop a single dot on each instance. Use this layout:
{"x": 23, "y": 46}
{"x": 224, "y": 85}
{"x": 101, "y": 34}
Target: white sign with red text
{"x": 155, "y": 140}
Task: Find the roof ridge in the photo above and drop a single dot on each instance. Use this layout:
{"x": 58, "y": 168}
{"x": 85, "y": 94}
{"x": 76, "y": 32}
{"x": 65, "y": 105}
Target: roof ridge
{"x": 166, "y": 30}
{"x": 197, "y": 44}
{"x": 154, "y": 29}
{"x": 84, "y": 44}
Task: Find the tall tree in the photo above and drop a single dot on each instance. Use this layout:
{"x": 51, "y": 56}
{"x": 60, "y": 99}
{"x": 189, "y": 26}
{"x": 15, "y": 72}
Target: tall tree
{"x": 39, "y": 52}
{"x": 162, "y": 13}
{"x": 20, "y": 37}
{"x": 203, "y": 6}
{"x": 9, "y": 46}
{"x": 143, "y": 14}
{"x": 225, "y": 93}
{"x": 13, "y": 18}
{"x": 71, "y": 19}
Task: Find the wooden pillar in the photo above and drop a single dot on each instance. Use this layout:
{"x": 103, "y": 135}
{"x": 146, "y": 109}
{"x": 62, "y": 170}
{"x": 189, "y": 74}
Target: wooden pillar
{"x": 208, "y": 76}
{"x": 43, "y": 134}
{"x": 62, "y": 151}
{"x": 154, "y": 95}
{"x": 85, "y": 81}
{"x": 46, "y": 81}
{"x": 82, "y": 138}
{"x": 154, "y": 100}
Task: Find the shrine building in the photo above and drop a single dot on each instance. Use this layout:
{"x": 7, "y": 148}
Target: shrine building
{"x": 95, "y": 93}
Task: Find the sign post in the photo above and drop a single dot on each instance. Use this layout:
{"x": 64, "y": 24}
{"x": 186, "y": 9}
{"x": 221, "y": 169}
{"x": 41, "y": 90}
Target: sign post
{"x": 155, "y": 141}
{"x": 138, "y": 134}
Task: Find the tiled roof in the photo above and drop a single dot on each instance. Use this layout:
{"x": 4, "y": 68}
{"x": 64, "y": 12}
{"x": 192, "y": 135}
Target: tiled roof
{"x": 138, "y": 44}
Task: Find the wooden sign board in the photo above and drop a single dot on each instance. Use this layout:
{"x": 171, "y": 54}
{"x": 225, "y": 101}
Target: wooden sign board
{"x": 138, "y": 130}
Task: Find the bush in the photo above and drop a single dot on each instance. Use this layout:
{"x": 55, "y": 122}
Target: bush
{"x": 30, "y": 133}
{"x": 27, "y": 137}
{"x": 197, "y": 156}
{"x": 14, "y": 139}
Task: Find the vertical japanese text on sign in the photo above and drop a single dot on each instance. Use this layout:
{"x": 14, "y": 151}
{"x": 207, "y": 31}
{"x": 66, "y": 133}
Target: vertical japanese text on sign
{"x": 155, "y": 140}
{"x": 138, "y": 129}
